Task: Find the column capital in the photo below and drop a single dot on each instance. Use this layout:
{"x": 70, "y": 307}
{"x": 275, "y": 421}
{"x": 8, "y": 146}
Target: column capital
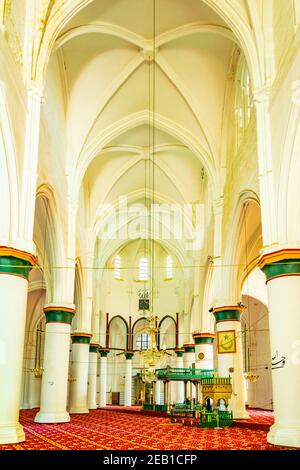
{"x": 203, "y": 337}
{"x": 179, "y": 352}
{"x": 129, "y": 354}
{"x": 79, "y": 337}
{"x": 58, "y": 314}
{"x": 227, "y": 313}
{"x": 35, "y": 89}
{"x": 218, "y": 205}
{"x": 261, "y": 95}
{"x": 104, "y": 352}
{"x": 16, "y": 262}
{"x": 189, "y": 348}
{"x": 285, "y": 261}
{"x": 94, "y": 347}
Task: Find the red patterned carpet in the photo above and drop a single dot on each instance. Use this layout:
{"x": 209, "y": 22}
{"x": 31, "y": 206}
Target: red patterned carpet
{"x": 107, "y": 430}
{"x": 260, "y": 420}
{"x": 261, "y": 416}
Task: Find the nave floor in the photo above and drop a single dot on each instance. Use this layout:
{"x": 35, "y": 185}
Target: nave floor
{"x": 117, "y": 430}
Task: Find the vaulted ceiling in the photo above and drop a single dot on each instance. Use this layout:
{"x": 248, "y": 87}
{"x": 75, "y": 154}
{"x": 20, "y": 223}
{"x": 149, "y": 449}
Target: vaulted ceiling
{"x": 111, "y": 63}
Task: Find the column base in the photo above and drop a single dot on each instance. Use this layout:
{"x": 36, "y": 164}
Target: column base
{"x": 102, "y": 405}
{"x": 240, "y": 414}
{"x": 93, "y": 407}
{"x": 79, "y": 410}
{"x": 11, "y": 434}
{"x": 284, "y": 436}
{"x": 42, "y": 417}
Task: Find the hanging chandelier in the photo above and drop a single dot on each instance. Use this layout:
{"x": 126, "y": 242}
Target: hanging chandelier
{"x": 152, "y": 358}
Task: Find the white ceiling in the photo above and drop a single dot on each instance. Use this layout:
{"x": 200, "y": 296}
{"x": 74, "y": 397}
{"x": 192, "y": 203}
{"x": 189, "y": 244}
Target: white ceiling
{"x": 108, "y": 86}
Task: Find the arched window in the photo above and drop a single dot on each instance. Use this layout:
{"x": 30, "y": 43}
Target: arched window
{"x": 244, "y": 103}
{"x": 142, "y": 342}
{"x": 117, "y": 267}
{"x": 143, "y": 269}
{"x": 169, "y": 267}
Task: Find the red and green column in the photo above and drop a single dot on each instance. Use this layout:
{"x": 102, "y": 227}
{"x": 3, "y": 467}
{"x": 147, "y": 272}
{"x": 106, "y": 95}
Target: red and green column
{"x": 282, "y": 270}
{"x": 128, "y": 378}
{"x": 79, "y": 372}
{"x": 92, "y": 376}
{"x": 204, "y": 350}
{"x": 189, "y": 361}
{"x": 103, "y": 376}
{"x": 180, "y": 383}
{"x": 54, "y": 390}
{"x": 230, "y": 354}
{"x": 15, "y": 266}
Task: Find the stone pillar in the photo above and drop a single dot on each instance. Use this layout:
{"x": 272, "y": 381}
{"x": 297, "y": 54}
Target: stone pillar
{"x": 103, "y": 375}
{"x": 188, "y": 361}
{"x": 33, "y": 381}
{"x": 79, "y": 372}
{"x": 180, "y": 383}
{"x": 15, "y": 266}
{"x": 30, "y": 163}
{"x": 204, "y": 350}
{"x": 185, "y": 390}
{"x": 282, "y": 269}
{"x": 92, "y": 377}
{"x": 165, "y": 382}
{"x": 189, "y": 355}
{"x": 54, "y": 392}
{"x": 198, "y": 394}
{"x": 230, "y": 355}
{"x": 157, "y": 392}
{"x": 128, "y": 378}
{"x": 98, "y": 379}
{"x": 168, "y": 393}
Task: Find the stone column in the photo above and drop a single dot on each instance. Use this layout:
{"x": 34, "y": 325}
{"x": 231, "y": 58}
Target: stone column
{"x": 128, "y": 378}
{"x": 92, "y": 377}
{"x": 165, "y": 382}
{"x": 157, "y": 392}
{"x": 230, "y": 355}
{"x": 79, "y": 372}
{"x": 188, "y": 361}
{"x": 188, "y": 355}
{"x": 282, "y": 269}
{"x": 54, "y": 392}
{"x": 103, "y": 376}
{"x": 185, "y": 390}
{"x": 33, "y": 381}
{"x": 15, "y": 266}
{"x": 204, "y": 350}
{"x": 198, "y": 395}
{"x": 180, "y": 384}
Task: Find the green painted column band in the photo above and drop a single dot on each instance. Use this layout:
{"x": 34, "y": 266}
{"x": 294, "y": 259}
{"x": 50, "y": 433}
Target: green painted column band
{"x": 129, "y": 355}
{"x": 93, "y": 348}
{"x": 280, "y": 268}
{"x": 189, "y": 348}
{"x": 204, "y": 340}
{"x": 104, "y": 352}
{"x": 59, "y": 316}
{"x": 179, "y": 353}
{"x": 78, "y": 339}
{"x": 227, "y": 315}
{"x": 15, "y": 266}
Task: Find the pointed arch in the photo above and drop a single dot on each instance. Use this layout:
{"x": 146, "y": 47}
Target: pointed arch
{"x": 245, "y": 242}
{"x": 124, "y": 323}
